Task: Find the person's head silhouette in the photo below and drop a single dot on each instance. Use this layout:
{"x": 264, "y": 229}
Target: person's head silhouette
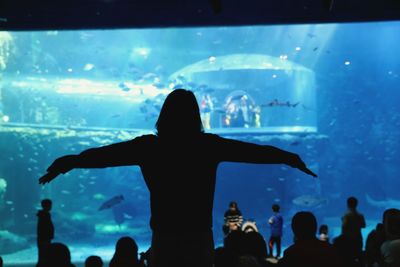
{"x": 352, "y": 203}
{"x": 126, "y": 253}
{"x": 93, "y": 261}
{"x": 304, "y": 225}
{"x": 59, "y": 255}
{"x": 275, "y": 208}
{"x": 46, "y": 204}
{"x": 179, "y": 115}
{"x": 233, "y": 206}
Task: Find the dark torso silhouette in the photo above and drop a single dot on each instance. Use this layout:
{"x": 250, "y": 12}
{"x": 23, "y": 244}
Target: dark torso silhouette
{"x": 45, "y": 228}
{"x": 180, "y": 173}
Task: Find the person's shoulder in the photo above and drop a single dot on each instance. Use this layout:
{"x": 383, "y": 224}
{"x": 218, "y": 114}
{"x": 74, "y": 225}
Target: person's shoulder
{"x": 290, "y": 250}
{"x": 213, "y": 139}
{"x": 145, "y": 138}
{"x": 210, "y": 136}
{"x": 348, "y": 214}
{"x": 324, "y": 244}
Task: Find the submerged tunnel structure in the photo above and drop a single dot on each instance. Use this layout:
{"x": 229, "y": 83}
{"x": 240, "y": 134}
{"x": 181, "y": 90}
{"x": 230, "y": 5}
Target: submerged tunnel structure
{"x": 273, "y": 94}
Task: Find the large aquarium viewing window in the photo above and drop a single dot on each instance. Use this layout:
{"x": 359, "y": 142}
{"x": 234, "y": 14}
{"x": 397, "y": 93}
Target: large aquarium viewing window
{"x": 57, "y": 84}
{"x": 329, "y": 92}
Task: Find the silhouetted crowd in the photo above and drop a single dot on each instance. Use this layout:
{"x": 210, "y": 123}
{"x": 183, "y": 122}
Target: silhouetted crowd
{"x": 244, "y": 246}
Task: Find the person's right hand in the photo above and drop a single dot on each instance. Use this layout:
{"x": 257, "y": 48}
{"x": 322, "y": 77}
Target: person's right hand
{"x": 297, "y": 162}
{"x": 62, "y": 164}
{"x": 48, "y": 177}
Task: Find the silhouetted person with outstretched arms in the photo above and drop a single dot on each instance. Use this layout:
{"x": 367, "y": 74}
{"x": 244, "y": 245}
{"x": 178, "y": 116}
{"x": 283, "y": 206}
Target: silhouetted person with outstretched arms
{"x": 179, "y": 165}
{"x": 45, "y": 232}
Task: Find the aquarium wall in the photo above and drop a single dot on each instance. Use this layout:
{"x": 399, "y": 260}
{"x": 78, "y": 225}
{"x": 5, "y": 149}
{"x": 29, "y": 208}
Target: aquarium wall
{"x": 328, "y": 92}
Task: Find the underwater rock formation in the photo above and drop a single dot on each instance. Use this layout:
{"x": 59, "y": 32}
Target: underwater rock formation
{"x": 10, "y": 242}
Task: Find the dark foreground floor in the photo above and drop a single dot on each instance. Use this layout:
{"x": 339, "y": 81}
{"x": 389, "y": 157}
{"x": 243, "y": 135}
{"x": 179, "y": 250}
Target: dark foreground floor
{"x": 33, "y": 265}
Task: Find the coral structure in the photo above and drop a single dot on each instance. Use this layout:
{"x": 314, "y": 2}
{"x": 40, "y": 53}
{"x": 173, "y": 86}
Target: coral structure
{"x": 5, "y": 48}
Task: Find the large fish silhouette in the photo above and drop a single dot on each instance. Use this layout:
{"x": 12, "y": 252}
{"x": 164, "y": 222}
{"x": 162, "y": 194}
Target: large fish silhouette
{"x": 112, "y": 202}
{"x": 310, "y": 201}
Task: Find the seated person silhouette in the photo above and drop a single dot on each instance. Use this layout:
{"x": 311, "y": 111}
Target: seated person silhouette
{"x": 233, "y": 218}
{"x": 307, "y": 250}
{"x": 181, "y": 180}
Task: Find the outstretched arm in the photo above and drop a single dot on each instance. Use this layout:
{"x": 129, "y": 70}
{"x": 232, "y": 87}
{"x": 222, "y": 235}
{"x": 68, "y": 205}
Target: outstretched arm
{"x": 119, "y": 154}
{"x": 238, "y": 151}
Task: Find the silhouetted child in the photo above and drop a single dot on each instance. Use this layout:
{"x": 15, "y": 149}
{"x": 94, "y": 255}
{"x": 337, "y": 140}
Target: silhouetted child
{"x": 93, "y": 261}
{"x": 323, "y": 233}
{"x": 276, "y": 223}
{"x": 45, "y": 232}
{"x": 1, "y": 262}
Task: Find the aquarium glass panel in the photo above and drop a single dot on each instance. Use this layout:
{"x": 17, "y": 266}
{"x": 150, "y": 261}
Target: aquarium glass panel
{"x": 329, "y": 92}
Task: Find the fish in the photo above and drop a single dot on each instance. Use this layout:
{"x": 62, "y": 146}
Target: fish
{"x": 88, "y": 67}
{"x": 309, "y": 201}
{"x": 122, "y": 212}
{"x": 150, "y": 109}
{"x": 98, "y": 196}
{"x": 276, "y": 103}
{"x": 3, "y": 185}
{"x": 112, "y": 202}
{"x": 124, "y": 87}
{"x": 385, "y": 204}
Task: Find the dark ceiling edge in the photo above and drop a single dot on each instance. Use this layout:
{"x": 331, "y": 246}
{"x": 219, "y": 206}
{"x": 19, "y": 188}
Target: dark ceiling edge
{"x": 19, "y": 15}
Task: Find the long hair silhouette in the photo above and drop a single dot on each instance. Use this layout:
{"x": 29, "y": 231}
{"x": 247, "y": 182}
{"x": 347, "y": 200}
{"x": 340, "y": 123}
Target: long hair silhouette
{"x": 179, "y": 115}
{"x": 126, "y": 253}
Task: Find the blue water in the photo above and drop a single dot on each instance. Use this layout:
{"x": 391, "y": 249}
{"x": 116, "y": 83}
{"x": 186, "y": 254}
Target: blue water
{"x": 328, "y": 92}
